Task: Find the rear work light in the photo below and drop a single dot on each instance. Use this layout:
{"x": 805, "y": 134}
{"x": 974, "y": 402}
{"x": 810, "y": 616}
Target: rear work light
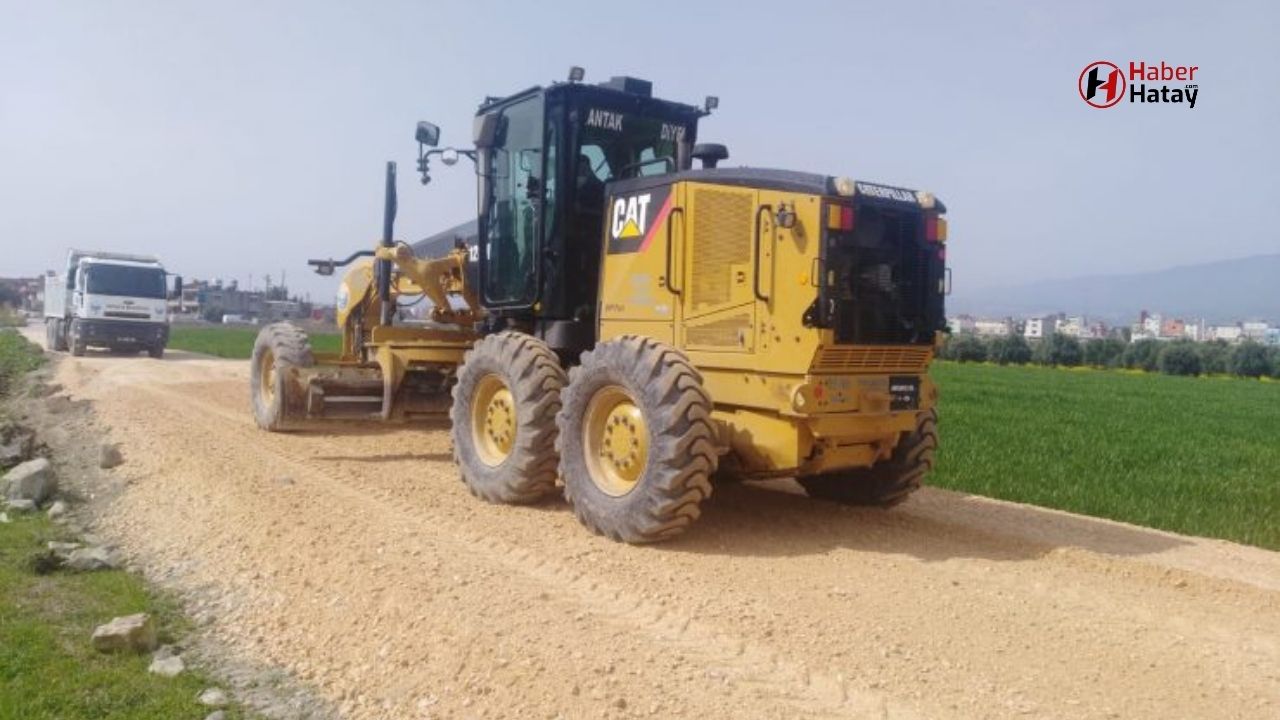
{"x": 839, "y": 217}
{"x": 935, "y": 228}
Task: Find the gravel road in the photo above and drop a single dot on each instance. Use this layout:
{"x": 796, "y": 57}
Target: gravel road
{"x": 356, "y": 559}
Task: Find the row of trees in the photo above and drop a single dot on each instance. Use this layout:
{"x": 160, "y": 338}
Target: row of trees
{"x": 1180, "y": 357}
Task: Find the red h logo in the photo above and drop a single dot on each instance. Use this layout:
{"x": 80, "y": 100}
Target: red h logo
{"x": 1101, "y": 84}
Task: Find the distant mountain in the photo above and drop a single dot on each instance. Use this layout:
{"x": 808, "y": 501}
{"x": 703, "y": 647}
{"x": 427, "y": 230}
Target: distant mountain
{"x": 1227, "y": 290}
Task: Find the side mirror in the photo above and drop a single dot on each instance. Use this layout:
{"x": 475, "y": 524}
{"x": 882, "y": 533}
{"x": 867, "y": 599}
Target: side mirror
{"x": 484, "y": 130}
{"x": 177, "y": 288}
{"x": 427, "y": 134}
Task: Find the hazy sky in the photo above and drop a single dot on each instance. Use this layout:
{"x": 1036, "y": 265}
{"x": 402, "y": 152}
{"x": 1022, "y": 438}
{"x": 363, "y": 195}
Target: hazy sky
{"x": 238, "y": 138}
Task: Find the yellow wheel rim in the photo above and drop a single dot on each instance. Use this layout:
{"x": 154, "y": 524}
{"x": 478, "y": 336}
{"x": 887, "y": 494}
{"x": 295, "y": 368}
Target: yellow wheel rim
{"x": 615, "y": 438}
{"x": 493, "y": 420}
{"x": 267, "y": 378}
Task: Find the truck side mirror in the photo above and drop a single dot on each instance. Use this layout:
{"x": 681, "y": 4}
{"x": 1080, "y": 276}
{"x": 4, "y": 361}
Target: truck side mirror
{"x": 427, "y": 134}
{"x": 484, "y": 130}
{"x": 176, "y": 293}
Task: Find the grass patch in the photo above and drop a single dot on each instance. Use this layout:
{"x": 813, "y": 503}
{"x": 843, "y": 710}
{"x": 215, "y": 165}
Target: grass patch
{"x": 1198, "y": 456}
{"x": 10, "y": 317}
{"x": 48, "y": 668}
{"x": 236, "y": 343}
{"x": 17, "y": 356}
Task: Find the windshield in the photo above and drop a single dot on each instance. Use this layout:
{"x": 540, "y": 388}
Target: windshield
{"x": 124, "y": 280}
{"x": 617, "y": 145}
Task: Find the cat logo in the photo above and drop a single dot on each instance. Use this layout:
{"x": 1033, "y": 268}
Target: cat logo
{"x": 632, "y": 219}
{"x": 629, "y": 215}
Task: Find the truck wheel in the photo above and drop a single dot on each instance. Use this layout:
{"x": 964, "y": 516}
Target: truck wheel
{"x": 637, "y": 447}
{"x": 280, "y": 349}
{"x": 889, "y": 482}
{"x": 156, "y": 351}
{"x": 504, "y": 418}
{"x": 59, "y": 335}
{"x": 77, "y": 343}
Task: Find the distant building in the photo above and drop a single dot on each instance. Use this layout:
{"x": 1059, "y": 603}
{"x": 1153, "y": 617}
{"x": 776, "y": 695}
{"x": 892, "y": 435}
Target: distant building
{"x": 1229, "y": 333}
{"x": 273, "y": 310}
{"x": 1272, "y": 337}
{"x": 1152, "y": 324}
{"x": 991, "y": 328}
{"x": 961, "y": 324}
{"x": 1173, "y": 328}
{"x": 1256, "y": 331}
{"x": 1039, "y": 328}
{"x": 215, "y": 300}
{"x": 1076, "y": 326}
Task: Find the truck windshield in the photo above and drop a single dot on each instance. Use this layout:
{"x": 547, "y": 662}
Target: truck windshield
{"x": 124, "y": 280}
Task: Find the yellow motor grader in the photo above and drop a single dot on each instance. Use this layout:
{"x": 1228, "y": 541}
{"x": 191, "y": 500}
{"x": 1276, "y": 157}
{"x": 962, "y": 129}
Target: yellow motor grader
{"x": 627, "y": 325}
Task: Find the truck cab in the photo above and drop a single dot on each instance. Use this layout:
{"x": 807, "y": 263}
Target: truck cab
{"x": 109, "y": 300}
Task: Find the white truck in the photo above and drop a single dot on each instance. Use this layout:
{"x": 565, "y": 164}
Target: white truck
{"x": 111, "y": 300}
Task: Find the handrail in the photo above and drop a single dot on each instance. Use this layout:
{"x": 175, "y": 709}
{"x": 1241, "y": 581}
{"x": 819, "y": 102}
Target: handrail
{"x": 671, "y": 221}
{"x": 755, "y": 281}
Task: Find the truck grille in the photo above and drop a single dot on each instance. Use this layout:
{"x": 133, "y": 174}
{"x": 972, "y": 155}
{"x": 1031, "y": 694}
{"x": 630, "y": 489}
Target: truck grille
{"x": 862, "y": 359}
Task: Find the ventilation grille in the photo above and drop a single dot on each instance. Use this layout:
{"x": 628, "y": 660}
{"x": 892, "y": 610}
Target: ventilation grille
{"x": 872, "y": 359}
{"x": 721, "y": 239}
{"x": 726, "y": 332}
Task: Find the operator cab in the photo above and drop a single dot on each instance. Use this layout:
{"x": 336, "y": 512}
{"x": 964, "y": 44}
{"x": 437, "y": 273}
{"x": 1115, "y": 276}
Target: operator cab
{"x": 544, "y": 157}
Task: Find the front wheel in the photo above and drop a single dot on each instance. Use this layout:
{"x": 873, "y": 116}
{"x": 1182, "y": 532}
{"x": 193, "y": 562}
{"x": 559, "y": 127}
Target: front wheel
{"x": 280, "y": 350}
{"x": 889, "y": 482}
{"x": 503, "y": 415}
{"x": 637, "y": 446}
{"x": 77, "y": 343}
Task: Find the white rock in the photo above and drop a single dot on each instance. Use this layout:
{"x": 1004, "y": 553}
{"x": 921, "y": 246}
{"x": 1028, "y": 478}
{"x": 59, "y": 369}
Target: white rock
{"x": 89, "y": 559}
{"x": 4, "y": 518}
{"x": 21, "y": 505}
{"x": 134, "y": 633}
{"x": 216, "y": 715}
{"x": 32, "y": 480}
{"x": 57, "y": 509}
{"x": 62, "y": 548}
{"x": 212, "y": 697}
{"x": 169, "y": 666}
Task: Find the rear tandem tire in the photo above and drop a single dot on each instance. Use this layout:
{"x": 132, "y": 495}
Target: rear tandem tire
{"x": 637, "y": 447}
{"x": 504, "y": 418}
{"x": 59, "y": 335}
{"x": 888, "y": 482}
{"x": 156, "y": 351}
{"x": 276, "y": 394}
